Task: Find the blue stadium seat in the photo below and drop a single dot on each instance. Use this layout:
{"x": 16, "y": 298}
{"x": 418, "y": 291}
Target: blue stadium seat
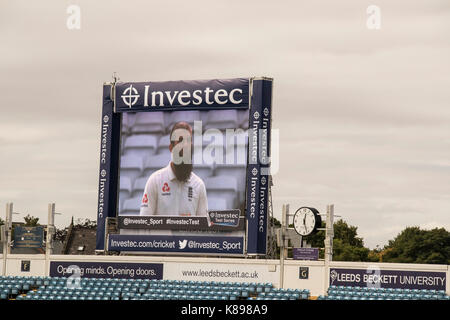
{"x": 223, "y": 186}
{"x": 153, "y": 163}
{"x": 138, "y": 187}
{"x": 221, "y": 119}
{"x": 217, "y": 203}
{"x": 163, "y": 145}
{"x": 186, "y": 116}
{"x": 148, "y": 122}
{"x": 140, "y": 146}
{"x": 131, "y": 166}
{"x": 125, "y": 188}
{"x": 131, "y": 206}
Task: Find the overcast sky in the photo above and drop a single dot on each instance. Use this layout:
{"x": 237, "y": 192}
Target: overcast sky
{"x": 363, "y": 115}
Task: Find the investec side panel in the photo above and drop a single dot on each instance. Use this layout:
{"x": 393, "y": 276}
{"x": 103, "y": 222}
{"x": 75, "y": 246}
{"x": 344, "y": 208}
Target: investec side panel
{"x": 183, "y": 167}
{"x": 259, "y": 166}
{"x": 108, "y": 174}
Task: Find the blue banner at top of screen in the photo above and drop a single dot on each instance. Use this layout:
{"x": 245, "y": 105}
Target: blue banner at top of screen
{"x": 182, "y": 95}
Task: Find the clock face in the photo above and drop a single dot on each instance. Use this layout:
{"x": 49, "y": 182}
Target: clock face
{"x": 304, "y": 221}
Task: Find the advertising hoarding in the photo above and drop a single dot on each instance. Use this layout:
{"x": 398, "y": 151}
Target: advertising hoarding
{"x": 376, "y": 278}
{"x": 28, "y": 237}
{"x": 115, "y": 270}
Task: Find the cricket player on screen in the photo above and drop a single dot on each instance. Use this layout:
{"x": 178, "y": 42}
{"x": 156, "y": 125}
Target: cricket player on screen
{"x": 175, "y": 190}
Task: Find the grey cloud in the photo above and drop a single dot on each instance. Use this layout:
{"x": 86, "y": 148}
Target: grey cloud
{"x": 363, "y": 115}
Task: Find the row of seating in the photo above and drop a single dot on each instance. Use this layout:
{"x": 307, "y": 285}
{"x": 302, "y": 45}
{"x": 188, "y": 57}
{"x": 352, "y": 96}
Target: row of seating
{"x": 54, "y": 288}
{"x": 134, "y": 167}
{"x": 374, "y": 293}
{"x": 151, "y": 144}
{"x": 390, "y": 297}
{"x": 382, "y": 290}
{"x": 47, "y": 280}
{"x": 162, "y": 122}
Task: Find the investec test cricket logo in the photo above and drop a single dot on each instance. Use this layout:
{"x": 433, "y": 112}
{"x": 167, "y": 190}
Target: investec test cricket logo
{"x": 130, "y": 96}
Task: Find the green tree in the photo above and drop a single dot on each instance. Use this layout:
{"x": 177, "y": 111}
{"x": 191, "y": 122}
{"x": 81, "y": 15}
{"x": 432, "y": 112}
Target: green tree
{"x": 414, "y": 245}
{"x": 31, "y": 221}
{"x": 275, "y": 222}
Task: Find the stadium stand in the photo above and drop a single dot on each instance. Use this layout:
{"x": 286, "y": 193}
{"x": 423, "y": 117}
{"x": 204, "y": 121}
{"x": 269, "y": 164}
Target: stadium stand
{"x": 148, "y": 123}
{"x": 163, "y": 145}
{"x": 132, "y": 206}
{"x": 221, "y": 119}
{"x": 372, "y": 293}
{"x": 48, "y": 288}
{"x": 216, "y": 203}
{"x": 188, "y": 117}
{"x": 138, "y": 187}
{"x": 131, "y": 167}
{"x": 224, "y": 187}
{"x": 140, "y": 145}
{"x": 154, "y": 163}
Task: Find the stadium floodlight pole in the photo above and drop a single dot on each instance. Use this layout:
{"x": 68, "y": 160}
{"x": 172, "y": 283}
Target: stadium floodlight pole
{"x": 9, "y": 222}
{"x": 329, "y": 235}
{"x": 7, "y": 232}
{"x": 50, "y": 233}
{"x": 284, "y": 215}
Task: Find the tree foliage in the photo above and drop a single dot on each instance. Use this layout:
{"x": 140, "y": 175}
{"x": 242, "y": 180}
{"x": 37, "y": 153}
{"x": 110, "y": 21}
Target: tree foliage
{"x": 31, "y": 221}
{"x": 347, "y": 246}
{"x": 414, "y": 245}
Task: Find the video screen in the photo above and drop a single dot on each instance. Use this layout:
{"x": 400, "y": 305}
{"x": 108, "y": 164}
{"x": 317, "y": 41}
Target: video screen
{"x": 181, "y": 164}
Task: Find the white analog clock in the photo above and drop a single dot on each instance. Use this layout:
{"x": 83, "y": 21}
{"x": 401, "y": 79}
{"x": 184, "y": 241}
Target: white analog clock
{"x": 306, "y": 221}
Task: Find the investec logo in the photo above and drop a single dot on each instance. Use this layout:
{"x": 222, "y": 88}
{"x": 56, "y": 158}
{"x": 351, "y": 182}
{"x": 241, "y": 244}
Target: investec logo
{"x": 130, "y": 97}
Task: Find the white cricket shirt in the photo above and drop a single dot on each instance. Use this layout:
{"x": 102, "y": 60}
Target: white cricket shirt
{"x": 164, "y": 194}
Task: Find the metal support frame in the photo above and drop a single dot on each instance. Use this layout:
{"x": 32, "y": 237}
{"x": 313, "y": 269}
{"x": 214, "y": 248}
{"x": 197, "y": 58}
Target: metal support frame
{"x": 110, "y": 222}
{"x": 7, "y": 233}
{"x": 271, "y": 238}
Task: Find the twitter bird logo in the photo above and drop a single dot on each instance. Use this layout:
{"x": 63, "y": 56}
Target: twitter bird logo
{"x": 182, "y": 244}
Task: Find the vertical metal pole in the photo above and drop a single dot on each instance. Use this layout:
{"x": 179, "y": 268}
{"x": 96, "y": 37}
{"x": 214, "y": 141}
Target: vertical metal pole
{"x": 329, "y": 235}
{"x": 284, "y": 215}
{"x": 8, "y": 231}
{"x": 6, "y": 239}
{"x": 4, "y": 254}
{"x": 9, "y": 213}
{"x": 49, "y": 239}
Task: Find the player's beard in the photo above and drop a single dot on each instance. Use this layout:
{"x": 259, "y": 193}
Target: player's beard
{"x": 182, "y": 171}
